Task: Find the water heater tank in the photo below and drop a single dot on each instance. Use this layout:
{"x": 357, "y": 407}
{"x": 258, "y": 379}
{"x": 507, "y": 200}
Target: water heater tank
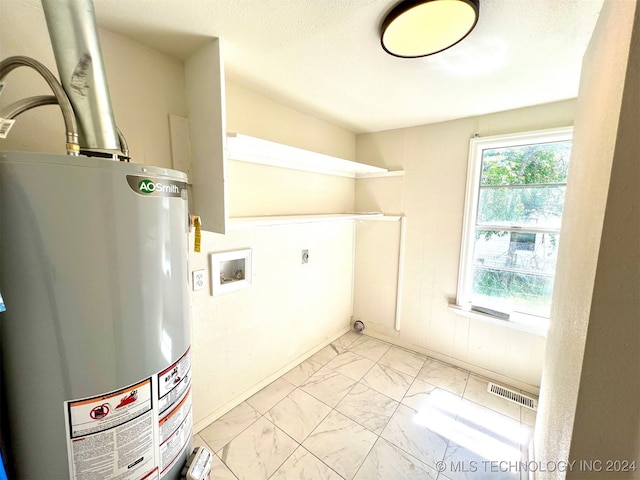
{"x": 95, "y": 339}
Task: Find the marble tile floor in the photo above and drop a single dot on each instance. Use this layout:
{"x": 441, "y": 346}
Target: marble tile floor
{"x": 363, "y": 409}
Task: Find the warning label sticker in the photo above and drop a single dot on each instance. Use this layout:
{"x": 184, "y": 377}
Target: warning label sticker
{"x": 134, "y": 433}
{"x": 175, "y": 433}
{"x": 111, "y": 435}
{"x": 174, "y": 406}
{"x": 101, "y": 413}
{"x": 174, "y": 382}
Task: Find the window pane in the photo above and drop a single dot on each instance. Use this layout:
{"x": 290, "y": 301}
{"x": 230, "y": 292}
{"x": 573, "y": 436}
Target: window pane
{"x": 514, "y": 270}
{"x": 508, "y": 291}
{"x": 523, "y": 251}
{"x": 526, "y": 165}
{"x": 510, "y": 248}
{"x": 539, "y": 206}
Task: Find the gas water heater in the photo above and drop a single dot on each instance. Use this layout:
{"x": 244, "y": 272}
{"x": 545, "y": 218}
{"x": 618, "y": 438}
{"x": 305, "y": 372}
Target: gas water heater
{"x": 95, "y": 339}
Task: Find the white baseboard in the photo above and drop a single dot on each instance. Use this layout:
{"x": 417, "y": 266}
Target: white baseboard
{"x": 503, "y": 379}
{"x": 496, "y": 377}
{"x": 213, "y": 416}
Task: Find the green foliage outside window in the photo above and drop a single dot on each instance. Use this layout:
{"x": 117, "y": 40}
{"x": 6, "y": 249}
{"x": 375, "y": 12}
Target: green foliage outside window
{"x": 521, "y": 187}
{"x": 530, "y": 176}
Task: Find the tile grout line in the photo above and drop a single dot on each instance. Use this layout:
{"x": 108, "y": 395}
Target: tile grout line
{"x": 357, "y": 382}
{"x": 298, "y": 445}
{"x": 378, "y": 436}
{"x": 341, "y": 349}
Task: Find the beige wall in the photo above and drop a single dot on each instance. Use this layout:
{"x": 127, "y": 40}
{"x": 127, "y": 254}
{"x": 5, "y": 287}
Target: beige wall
{"x": 252, "y": 114}
{"x": 434, "y": 158}
{"x": 145, "y": 86}
{"x": 589, "y": 406}
{"x": 265, "y": 190}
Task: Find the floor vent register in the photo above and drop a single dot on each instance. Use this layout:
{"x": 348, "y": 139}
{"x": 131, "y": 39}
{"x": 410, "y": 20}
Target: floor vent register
{"x": 512, "y": 396}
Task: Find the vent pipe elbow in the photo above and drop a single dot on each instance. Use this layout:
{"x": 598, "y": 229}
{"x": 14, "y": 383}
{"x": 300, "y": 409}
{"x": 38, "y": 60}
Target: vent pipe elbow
{"x": 76, "y": 46}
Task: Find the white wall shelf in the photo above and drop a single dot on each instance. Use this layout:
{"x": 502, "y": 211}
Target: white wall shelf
{"x": 389, "y": 173}
{"x": 211, "y": 149}
{"x": 238, "y": 223}
{"x": 244, "y": 148}
{"x": 381, "y": 218}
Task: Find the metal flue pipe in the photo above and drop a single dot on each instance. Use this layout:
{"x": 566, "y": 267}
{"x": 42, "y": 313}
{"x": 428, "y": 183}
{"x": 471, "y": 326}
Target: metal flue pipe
{"x": 76, "y": 46}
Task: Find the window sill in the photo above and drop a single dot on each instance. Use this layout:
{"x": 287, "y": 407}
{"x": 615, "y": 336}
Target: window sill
{"x": 518, "y": 321}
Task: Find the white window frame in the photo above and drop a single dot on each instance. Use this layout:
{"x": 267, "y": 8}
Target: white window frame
{"x": 465, "y": 275}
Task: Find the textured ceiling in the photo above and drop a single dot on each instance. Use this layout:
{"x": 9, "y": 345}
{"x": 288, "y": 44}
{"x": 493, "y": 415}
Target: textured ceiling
{"x": 323, "y": 57}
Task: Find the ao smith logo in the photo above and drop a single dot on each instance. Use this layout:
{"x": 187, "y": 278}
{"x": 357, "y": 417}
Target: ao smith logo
{"x": 156, "y": 187}
{"x": 147, "y": 186}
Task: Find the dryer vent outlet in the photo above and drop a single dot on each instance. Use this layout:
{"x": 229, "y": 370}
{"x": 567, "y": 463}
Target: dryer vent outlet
{"x": 358, "y": 326}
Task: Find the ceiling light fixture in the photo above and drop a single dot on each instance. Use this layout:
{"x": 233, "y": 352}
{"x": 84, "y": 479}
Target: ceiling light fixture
{"x": 417, "y": 28}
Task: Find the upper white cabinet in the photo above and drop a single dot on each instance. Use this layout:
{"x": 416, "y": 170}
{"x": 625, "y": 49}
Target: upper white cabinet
{"x": 205, "y": 95}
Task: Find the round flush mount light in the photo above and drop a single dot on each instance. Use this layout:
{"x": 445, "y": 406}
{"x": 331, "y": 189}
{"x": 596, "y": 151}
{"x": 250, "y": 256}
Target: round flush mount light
{"x": 417, "y": 28}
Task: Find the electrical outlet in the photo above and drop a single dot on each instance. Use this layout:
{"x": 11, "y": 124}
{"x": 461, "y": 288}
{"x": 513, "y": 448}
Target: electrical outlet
{"x": 305, "y": 256}
{"x": 198, "y": 279}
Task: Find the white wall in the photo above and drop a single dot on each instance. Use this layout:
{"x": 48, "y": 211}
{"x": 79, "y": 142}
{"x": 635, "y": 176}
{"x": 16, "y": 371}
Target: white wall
{"x": 434, "y": 158}
{"x": 376, "y": 274}
{"x": 589, "y": 397}
{"x": 244, "y": 339}
{"x": 145, "y": 87}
